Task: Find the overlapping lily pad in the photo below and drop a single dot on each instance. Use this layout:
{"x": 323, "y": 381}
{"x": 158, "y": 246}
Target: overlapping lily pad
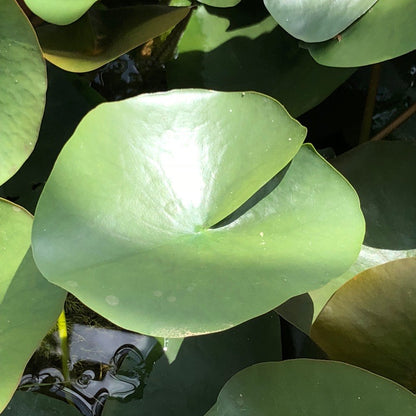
{"x": 102, "y": 35}
{"x": 59, "y": 12}
{"x": 29, "y": 304}
{"x": 370, "y": 322}
{"x": 306, "y": 387}
{"x": 382, "y": 174}
{"x": 243, "y": 49}
{"x": 22, "y": 86}
{"x": 384, "y": 32}
{"x": 316, "y": 20}
{"x": 128, "y": 220}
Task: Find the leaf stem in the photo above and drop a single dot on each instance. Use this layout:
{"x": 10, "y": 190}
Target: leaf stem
{"x": 395, "y": 123}
{"x": 370, "y": 103}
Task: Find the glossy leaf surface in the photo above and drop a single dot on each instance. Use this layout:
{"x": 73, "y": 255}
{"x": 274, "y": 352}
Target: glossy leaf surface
{"x": 201, "y": 368}
{"x": 125, "y": 219}
{"x": 59, "y": 12}
{"x": 316, "y": 20}
{"x": 22, "y": 86}
{"x": 384, "y": 32}
{"x": 243, "y": 49}
{"x": 370, "y": 322}
{"x": 29, "y": 304}
{"x": 311, "y": 387}
{"x": 103, "y": 35}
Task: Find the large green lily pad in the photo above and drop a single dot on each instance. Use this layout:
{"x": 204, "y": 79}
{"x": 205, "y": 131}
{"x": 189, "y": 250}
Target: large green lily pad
{"x": 22, "y": 86}
{"x": 201, "y": 368}
{"x": 316, "y": 20}
{"x": 59, "y": 12}
{"x": 126, "y": 219}
{"x": 384, "y": 32}
{"x": 311, "y": 387}
{"x": 370, "y": 322}
{"x": 29, "y": 304}
{"x": 243, "y": 49}
{"x": 102, "y": 35}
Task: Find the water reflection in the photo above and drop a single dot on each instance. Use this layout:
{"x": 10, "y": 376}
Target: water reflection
{"x": 101, "y": 363}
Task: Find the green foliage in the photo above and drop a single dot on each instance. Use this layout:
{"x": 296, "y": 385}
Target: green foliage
{"x": 189, "y": 213}
{"x": 29, "y": 305}
{"x": 22, "y": 86}
{"x": 316, "y": 20}
{"x": 269, "y": 388}
{"x": 373, "y": 38}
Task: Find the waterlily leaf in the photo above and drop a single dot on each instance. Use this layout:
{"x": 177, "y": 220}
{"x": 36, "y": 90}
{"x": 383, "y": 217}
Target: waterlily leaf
{"x": 35, "y": 404}
{"x": 370, "y": 322}
{"x": 102, "y": 35}
{"x": 384, "y": 32}
{"x": 243, "y": 49}
{"x": 125, "y": 221}
{"x": 316, "y": 20}
{"x": 59, "y": 12}
{"x": 29, "y": 304}
{"x": 220, "y": 3}
{"x": 203, "y": 365}
{"x": 68, "y": 99}
{"x": 22, "y": 86}
{"x": 311, "y": 387}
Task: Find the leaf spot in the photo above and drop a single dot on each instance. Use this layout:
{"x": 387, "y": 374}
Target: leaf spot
{"x": 112, "y": 300}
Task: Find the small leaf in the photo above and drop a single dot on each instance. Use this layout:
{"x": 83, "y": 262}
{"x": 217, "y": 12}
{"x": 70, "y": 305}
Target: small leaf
{"x": 384, "y": 32}
{"x": 102, "y": 35}
{"x": 316, "y": 20}
{"x": 59, "y": 12}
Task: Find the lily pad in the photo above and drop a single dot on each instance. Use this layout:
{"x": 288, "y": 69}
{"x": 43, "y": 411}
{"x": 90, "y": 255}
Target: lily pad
{"x": 29, "y": 304}
{"x": 316, "y": 20}
{"x": 102, "y": 35}
{"x": 243, "y": 49}
{"x": 370, "y": 322}
{"x": 311, "y": 387}
{"x": 59, "y": 12}
{"x": 203, "y": 365}
{"x": 384, "y": 32}
{"x": 220, "y": 3}
{"x": 22, "y": 86}
{"x": 134, "y": 219}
